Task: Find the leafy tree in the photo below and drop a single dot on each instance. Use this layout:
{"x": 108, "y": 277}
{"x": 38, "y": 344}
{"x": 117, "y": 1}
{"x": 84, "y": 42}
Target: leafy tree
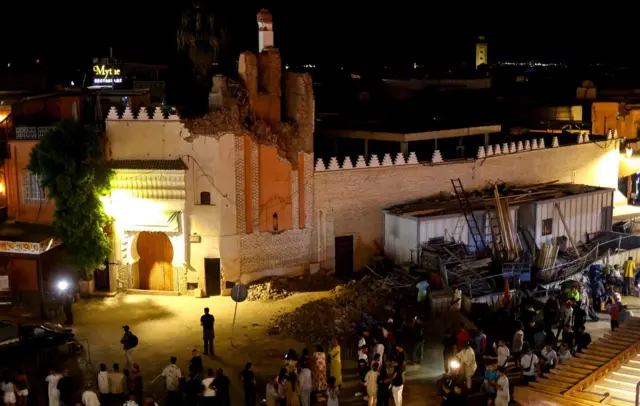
{"x": 70, "y": 162}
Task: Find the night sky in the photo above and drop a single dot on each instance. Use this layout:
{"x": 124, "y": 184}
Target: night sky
{"x": 71, "y": 33}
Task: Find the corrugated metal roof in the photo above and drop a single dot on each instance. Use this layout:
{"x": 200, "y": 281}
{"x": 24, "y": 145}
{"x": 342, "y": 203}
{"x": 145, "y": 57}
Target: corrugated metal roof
{"x": 149, "y": 164}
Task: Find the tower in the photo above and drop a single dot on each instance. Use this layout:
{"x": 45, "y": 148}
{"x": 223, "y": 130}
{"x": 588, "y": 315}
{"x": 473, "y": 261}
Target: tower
{"x": 265, "y": 30}
{"x": 481, "y": 51}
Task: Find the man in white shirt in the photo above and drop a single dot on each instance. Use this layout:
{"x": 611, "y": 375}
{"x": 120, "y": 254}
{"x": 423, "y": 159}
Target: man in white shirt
{"x": 502, "y": 396}
{"x": 206, "y": 382}
{"x": 503, "y": 353}
{"x": 89, "y": 397}
{"x": 549, "y": 357}
{"x": 306, "y": 385}
{"x": 378, "y": 349}
{"x": 103, "y": 382}
{"x": 272, "y": 395}
{"x": 529, "y": 363}
{"x": 467, "y": 358}
{"x": 172, "y": 375}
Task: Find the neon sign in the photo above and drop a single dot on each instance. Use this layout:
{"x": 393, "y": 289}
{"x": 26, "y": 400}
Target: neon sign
{"x": 106, "y": 76}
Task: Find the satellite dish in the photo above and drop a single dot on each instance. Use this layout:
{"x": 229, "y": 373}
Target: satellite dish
{"x": 239, "y": 293}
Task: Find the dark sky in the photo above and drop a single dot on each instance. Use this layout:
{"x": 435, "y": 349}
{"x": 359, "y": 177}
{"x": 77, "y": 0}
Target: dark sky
{"x": 72, "y": 32}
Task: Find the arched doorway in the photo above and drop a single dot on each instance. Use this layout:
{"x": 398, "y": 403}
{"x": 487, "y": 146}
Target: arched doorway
{"x": 156, "y": 254}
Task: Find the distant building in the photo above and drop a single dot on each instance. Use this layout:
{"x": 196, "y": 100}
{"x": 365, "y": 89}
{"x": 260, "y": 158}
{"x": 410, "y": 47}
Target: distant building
{"x": 482, "y": 48}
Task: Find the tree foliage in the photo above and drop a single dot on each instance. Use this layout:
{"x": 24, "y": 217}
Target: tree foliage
{"x": 70, "y": 162}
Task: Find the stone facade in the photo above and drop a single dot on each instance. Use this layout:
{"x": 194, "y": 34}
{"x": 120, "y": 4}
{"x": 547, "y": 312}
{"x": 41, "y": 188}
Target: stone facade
{"x": 351, "y": 201}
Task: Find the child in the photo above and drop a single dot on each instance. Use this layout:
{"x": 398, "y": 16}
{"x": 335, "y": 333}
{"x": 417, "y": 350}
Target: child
{"x": 332, "y": 392}
{"x": 371, "y": 383}
{"x": 564, "y": 355}
{"x": 503, "y": 396}
{"x": 490, "y": 381}
{"x": 363, "y": 362}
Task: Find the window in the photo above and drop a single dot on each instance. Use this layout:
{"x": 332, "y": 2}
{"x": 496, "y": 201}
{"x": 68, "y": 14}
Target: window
{"x": 205, "y": 198}
{"x": 547, "y": 226}
{"x": 32, "y": 191}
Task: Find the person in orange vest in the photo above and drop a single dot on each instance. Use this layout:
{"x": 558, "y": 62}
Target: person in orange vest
{"x": 629, "y": 268}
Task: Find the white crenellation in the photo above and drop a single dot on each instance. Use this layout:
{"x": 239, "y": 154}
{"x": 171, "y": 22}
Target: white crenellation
{"x": 527, "y": 145}
{"x": 333, "y": 164}
{"x": 541, "y": 143}
{"x": 347, "y": 164}
{"x": 505, "y": 148}
{"x": 142, "y": 114}
{"x": 157, "y": 114}
{"x": 615, "y": 134}
{"x": 489, "y": 151}
{"x": 437, "y": 157}
{"x": 534, "y": 144}
{"x": 585, "y": 138}
{"x": 413, "y": 159}
{"x": 554, "y": 142}
{"x": 579, "y": 139}
{"x": 373, "y": 161}
{"x": 113, "y": 114}
{"x": 512, "y": 147}
{"x": 400, "y": 159}
{"x": 361, "y": 163}
{"x": 609, "y": 134}
{"x": 320, "y": 165}
{"x": 386, "y": 160}
{"x": 127, "y": 115}
{"x": 519, "y": 147}
{"x": 497, "y": 150}
{"x": 481, "y": 153}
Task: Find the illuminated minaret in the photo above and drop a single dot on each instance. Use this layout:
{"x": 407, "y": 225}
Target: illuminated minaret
{"x": 265, "y": 30}
{"x": 481, "y": 52}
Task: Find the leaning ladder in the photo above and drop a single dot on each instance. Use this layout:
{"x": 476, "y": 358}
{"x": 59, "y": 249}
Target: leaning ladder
{"x": 467, "y": 212}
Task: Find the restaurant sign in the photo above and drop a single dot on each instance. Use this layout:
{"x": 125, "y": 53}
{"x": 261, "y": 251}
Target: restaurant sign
{"x": 106, "y": 75}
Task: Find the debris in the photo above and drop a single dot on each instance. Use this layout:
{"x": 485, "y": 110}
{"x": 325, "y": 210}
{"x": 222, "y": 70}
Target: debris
{"x": 281, "y": 288}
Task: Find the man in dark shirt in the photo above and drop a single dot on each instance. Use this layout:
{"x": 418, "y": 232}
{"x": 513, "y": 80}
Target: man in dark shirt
{"x": 249, "y": 383}
{"x": 397, "y": 383}
{"x": 65, "y": 386}
{"x": 221, "y": 383}
{"x": 207, "y": 321}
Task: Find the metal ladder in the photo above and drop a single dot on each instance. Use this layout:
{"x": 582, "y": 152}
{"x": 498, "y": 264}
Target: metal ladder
{"x": 478, "y": 239}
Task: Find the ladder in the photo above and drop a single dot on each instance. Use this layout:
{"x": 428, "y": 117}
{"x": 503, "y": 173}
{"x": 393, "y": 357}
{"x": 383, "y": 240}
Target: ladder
{"x": 467, "y": 212}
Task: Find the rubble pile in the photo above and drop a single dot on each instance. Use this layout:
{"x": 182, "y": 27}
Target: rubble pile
{"x": 270, "y": 290}
{"x": 321, "y": 320}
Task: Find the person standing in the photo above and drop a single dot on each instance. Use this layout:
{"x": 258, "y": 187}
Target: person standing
{"x": 272, "y": 395}
{"x": 67, "y": 306}
{"x": 116, "y": 385}
{"x": 517, "y": 342}
{"x": 462, "y": 337}
{"x": 383, "y": 386}
{"x": 549, "y": 358}
{"x": 613, "y": 308}
{"x": 503, "y": 353}
{"x": 306, "y": 384}
{"x": 529, "y": 363}
{"x": 223, "y": 391}
{"x": 52, "y": 387}
{"x": 597, "y": 288}
{"x": 503, "y": 396}
{"x": 249, "y": 385}
{"x": 208, "y": 393}
{"x": 336, "y": 361}
{"x": 172, "y": 374}
{"x": 319, "y": 370}
{"x": 207, "y": 322}
{"x": 480, "y": 344}
{"x": 468, "y": 360}
{"x": 371, "y": 383}
{"x": 89, "y": 397}
{"x": 103, "y": 383}
{"x": 418, "y": 336}
{"x": 129, "y": 341}
{"x": 332, "y": 393}
{"x": 65, "y": 387}
{"x": 292, "y": 391}
{"x": 195, "y": 365}
{"x": 397, "y": 383}
{"x": 8, "y": 390}
{"x": 550, "y": 313}
{"x": 22, "y": 386}
{"x": 629, "y": 268}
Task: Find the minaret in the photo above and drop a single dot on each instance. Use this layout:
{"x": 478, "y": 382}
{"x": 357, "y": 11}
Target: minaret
{"x": 265, "y": 30}
{"x": 481, "y": 52}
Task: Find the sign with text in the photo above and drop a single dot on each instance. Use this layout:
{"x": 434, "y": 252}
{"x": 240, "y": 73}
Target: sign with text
{"x": 106, "y": 75}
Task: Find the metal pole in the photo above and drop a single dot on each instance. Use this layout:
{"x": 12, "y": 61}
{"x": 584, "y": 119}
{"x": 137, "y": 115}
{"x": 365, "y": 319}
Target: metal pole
{"x": 619, "y": 242}
{"x": 233, "y": 326}
{"x": 597, "y": 248}
{"x": 638, "y": 394}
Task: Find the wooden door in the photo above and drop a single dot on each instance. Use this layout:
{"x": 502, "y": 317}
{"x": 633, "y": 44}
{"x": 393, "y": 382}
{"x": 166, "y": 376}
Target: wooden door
{"x": 101, "y": 278}
{"x": 344, "y": 256}
{"x": 212, "y": 275}
{"x": 156, "y": 254}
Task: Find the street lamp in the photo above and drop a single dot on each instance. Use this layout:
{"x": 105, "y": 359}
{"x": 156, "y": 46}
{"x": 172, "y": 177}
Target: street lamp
{"x": 63, "y": 285}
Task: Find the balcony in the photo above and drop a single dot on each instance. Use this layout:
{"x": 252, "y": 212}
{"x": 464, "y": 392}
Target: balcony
{"x": 31, "y": 132}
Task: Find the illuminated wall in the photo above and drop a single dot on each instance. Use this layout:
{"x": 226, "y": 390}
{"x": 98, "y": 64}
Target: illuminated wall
{"x": 611, "y": 115}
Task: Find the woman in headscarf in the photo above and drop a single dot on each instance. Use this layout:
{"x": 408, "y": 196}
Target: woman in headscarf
{"x": 336, "y": 361}
{"x": 319, "y": 369}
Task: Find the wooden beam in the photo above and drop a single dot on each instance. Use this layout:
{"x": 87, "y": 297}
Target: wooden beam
{"x": 566, "y": 228}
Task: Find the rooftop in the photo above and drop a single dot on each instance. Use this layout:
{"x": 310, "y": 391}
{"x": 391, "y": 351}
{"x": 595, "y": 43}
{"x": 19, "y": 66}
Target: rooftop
{"x": 25, "y": 232}
{"x": 149, "y": 164}
{"x": 444, "y": 203}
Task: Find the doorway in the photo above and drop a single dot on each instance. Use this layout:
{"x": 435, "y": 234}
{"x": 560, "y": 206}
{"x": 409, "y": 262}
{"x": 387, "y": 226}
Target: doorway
{"x": 101, "y": 278}
{"x": 212, "y": 276}
{"x": 156, "y": 253}
{"x": 344, "y": 256}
